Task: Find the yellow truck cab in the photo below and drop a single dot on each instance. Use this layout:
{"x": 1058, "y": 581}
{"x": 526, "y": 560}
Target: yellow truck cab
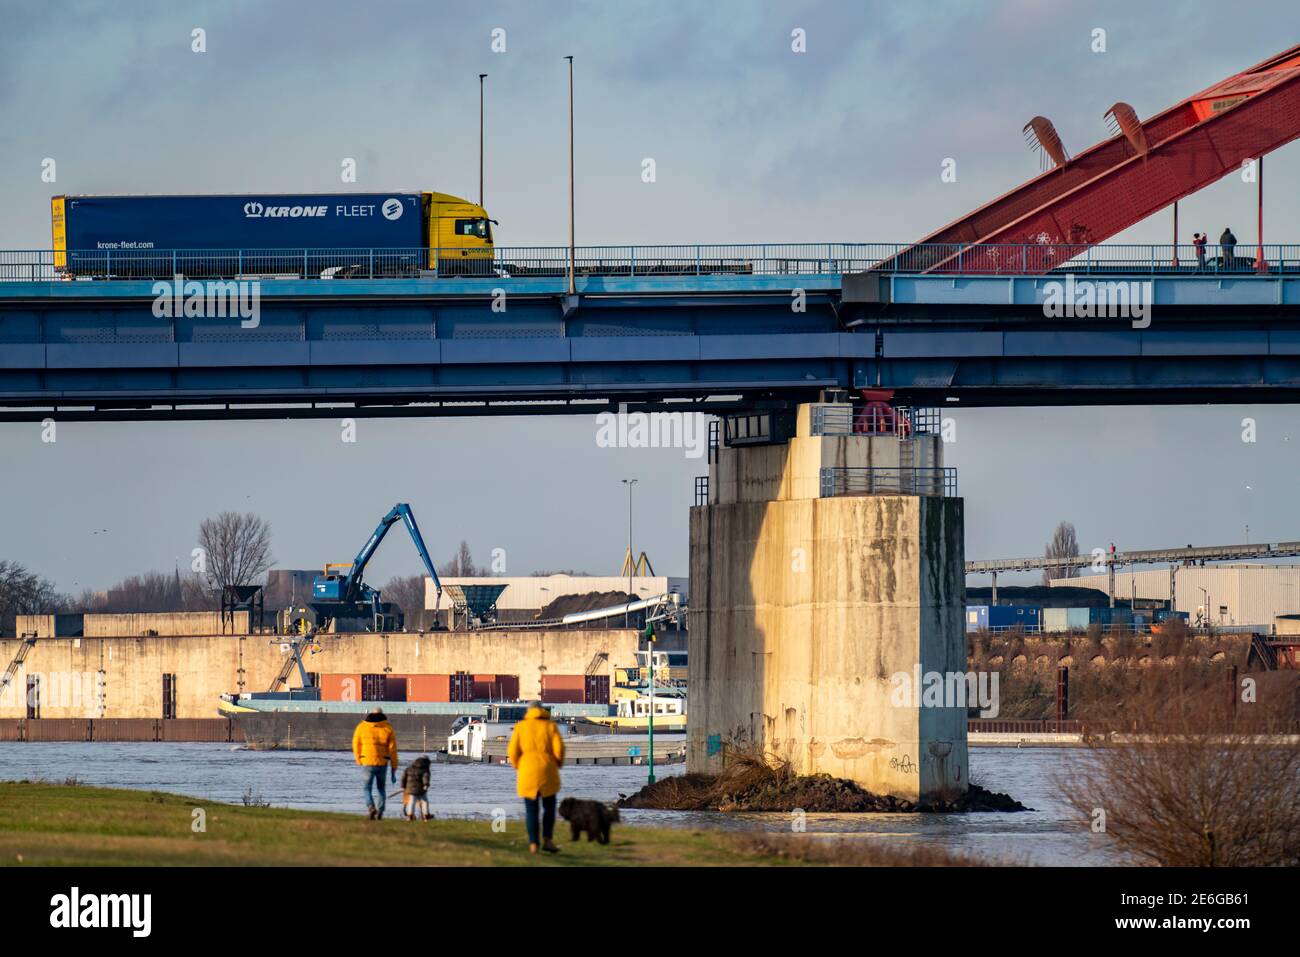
{"x": 457, "y": 230}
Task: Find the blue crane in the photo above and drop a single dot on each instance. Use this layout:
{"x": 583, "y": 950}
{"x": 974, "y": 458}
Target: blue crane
{"x": 336, "y": 594}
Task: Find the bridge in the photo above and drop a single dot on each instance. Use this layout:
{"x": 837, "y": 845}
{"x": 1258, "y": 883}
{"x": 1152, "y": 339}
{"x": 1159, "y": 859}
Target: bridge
{"x": 686, "y": 327}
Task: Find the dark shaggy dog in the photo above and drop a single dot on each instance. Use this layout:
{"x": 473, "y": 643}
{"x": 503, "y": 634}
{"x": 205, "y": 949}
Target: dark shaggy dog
{"x": 590, "y": 816}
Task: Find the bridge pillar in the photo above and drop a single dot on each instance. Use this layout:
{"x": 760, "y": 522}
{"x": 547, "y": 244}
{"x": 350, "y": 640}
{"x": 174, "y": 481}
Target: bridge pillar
{"x": 818, "y": 612}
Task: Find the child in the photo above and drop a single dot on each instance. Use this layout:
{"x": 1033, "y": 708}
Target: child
{"x": 415, "y": 789}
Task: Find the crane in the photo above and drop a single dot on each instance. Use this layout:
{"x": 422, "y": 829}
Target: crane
{"x": 341, "y": 594}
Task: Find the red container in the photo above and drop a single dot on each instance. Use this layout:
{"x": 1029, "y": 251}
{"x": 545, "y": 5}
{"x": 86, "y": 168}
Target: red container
{"x": 428, "y": 687}
{"x": 564, "y": 689}
{"x": 395, "y": 687}
{"x": 346, "y": 687}
{"x": 496, "y": 687}
{"x": 462, "y": 686}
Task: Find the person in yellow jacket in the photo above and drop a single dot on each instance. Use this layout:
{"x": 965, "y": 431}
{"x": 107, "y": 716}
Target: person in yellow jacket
{"x": 375, "y": 745}
{"x": 536, "y": 752}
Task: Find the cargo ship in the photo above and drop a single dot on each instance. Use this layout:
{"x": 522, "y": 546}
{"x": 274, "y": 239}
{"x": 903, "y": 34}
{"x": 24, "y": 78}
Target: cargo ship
{"x": 300, "y": 720}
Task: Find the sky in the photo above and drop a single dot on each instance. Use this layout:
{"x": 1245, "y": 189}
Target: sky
{"x": 752, "y": 142}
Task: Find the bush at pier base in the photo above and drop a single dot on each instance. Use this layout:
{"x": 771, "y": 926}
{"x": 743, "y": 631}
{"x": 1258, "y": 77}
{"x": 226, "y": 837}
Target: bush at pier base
{"x": 1192, "y": 780}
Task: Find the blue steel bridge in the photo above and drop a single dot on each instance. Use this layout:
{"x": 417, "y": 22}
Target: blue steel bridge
{"x": 704, "y": 328}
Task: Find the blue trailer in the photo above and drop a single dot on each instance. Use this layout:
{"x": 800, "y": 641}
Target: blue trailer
{"x": 977, "y": 617}
{"x": 301, "y": 234}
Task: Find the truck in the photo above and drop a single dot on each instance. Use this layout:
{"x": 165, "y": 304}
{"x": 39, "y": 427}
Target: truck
{"x": 308, "y": 235}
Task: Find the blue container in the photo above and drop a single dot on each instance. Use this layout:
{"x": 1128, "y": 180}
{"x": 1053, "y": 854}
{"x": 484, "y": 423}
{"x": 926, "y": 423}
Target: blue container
{"x": 103, "y": 232}
{"x": 1077, "y": 617}
{"x": 1028, "y": 617}
{"x": 1105, "y": 615}
{"x": 977, "y": 617}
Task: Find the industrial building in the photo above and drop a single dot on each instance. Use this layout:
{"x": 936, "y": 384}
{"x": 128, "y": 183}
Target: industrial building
{"x": 525, "y": 596}
{"x": 1221, "y": 595}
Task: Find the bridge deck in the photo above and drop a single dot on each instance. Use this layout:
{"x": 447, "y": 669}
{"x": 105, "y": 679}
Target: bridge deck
{"x": 473, "y": 345}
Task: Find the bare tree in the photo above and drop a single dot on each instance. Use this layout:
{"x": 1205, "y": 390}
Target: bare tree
{"x": 461, "y": 564}
{"x": 152, "y": 591}
{"x": 406, "y": 591}
{"x": 237, "y": 548}
{"x": 1064, "y": 544}
{"x": 1190, "y": 779}
{"x": 25, "y": 593}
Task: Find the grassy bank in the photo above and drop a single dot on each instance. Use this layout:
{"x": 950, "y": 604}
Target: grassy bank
{"x": 53, "y": 824}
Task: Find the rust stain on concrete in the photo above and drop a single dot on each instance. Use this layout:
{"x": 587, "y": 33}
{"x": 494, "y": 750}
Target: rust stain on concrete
{"x": 848, "y": 748}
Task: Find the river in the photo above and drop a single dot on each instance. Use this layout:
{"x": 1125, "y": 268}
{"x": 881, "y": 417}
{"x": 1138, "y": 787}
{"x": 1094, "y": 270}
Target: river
{"x": 328, "y": 781}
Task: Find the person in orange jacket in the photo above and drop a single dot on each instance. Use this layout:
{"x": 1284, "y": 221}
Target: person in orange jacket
{"x": 375, "y": 745}
{"x": 536, "y": 752}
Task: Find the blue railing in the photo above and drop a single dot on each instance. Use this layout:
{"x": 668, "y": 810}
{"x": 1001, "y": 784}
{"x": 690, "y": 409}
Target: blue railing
{"x": 756, "y": 259}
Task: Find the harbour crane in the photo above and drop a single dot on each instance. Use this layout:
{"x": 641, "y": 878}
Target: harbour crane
{"x": 341, "y": 591}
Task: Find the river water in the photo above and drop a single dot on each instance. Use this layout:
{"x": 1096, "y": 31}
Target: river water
{"x": 329, "y": 781}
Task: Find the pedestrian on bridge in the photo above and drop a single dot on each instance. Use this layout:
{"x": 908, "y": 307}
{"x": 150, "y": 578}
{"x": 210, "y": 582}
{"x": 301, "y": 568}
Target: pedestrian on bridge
{"x": 375, "y": 747}
{"x": 1200, "y": 240}
{"x": 1228, "y": 243}
{"x": 536, "y": 752}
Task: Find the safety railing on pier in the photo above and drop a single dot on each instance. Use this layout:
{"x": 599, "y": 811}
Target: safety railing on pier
{"x": 874, "y": 420}
{"x": 757, "y": 259}
{"x": 701, "y": 490}
{"x": 938, "y": 482}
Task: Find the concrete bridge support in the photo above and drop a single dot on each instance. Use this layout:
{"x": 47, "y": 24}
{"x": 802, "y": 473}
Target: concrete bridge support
{"x": 817, "y": 611}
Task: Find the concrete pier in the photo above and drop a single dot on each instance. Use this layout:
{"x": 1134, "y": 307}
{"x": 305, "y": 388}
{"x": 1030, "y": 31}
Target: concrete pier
{"x": 818, "y": 608}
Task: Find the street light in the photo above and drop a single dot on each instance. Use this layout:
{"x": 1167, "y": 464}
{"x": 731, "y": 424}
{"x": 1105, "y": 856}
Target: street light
{"x": 631, "y": 562}
{"x": 481, "y": 77}
{"x": 571, "y": 246}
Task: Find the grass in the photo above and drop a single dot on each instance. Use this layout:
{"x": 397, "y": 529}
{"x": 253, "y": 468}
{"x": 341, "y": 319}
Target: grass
{"x": 43, "y": 823}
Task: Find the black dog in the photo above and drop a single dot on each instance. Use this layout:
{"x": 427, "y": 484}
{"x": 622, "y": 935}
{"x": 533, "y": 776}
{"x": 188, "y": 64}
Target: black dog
{"x": 590, "y": 816}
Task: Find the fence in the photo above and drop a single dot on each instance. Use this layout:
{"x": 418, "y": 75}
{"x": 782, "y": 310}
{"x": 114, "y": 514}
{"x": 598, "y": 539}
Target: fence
{"x": 755, "y": 259}
{"x": 939, "y": 482}
{"x": 875, "y": 419}
{"x": 119, "y": 729}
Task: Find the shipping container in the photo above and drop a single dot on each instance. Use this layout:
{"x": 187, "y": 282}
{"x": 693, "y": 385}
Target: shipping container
{"x": 462, "y": 686}
{"x": 977, "y": 617}
{"x": 372, "y": 687}
{"x": 564, "y": 689}
{"x": 596, "y": 690}
{"x": 340, "y": 687}
{"x": 1028, "y": 617}
{"x": 496, "y": 687}
{"x": 1077, "y": 618}
{"x": 1105, "y": 615}
{"x": 428, "y": 687}
{"x": 1056, "y": 619}
{"x": 394, "y": 687}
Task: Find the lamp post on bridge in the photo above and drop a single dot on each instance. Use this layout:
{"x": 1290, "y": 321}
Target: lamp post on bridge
{"x": 481, "y": 77}
{"x": 571, "y": 242}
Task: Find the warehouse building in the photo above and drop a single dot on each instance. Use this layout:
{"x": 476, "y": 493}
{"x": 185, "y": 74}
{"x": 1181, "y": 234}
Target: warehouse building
{"x": 526, "y": 596}
{"x": 1238, "y": 594}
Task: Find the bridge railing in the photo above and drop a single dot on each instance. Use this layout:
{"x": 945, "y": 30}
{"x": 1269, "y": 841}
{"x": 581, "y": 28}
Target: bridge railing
{"x": 938, "y": 482}
{"x": 755, "y": 259}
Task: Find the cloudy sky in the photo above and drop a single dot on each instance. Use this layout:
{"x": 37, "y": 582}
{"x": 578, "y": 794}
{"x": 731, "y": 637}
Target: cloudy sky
{"x": 752, "y": 142}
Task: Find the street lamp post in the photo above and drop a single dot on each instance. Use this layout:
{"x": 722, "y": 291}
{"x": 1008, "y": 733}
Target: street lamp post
{"x": 631, "y": 562}
{"x": 571, "y": 240}
{"x": 480, "y": 137}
